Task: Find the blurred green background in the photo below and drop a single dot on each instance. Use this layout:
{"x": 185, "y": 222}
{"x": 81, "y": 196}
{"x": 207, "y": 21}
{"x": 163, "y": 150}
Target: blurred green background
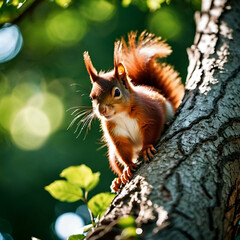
{"x": 47, "y": 78}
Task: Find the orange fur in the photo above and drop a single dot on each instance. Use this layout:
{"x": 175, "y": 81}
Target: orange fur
{"x": 132, "y": 101}
{"x": 139, "y": 58}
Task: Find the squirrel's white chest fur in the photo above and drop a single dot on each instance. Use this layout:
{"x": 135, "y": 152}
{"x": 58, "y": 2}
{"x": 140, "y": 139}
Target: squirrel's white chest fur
{"x": 129, "y": 128}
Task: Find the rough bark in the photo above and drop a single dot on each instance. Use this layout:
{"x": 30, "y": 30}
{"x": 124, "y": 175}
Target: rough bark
{"x": 191, "y": 189}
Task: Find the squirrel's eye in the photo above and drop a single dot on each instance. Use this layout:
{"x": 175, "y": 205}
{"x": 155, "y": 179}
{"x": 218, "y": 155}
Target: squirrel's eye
{"x": 117, "y": 93}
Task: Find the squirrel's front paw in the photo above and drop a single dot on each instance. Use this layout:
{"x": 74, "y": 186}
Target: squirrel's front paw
{"x": 148, "y": 152}
{"x": 127, "y": 174}
{"x": 116, "y": 184}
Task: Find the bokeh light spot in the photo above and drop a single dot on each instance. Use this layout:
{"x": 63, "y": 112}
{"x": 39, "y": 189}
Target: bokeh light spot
{"x": 66, "y": 28}
{"x": 51, "y": 105}
{"x": 11, "y": 42}
{"x": 63, "y": 3}
{"x": 9, "y": 106}
{"x": 5, "y": 236}
{"x": 68, "y": 224}
{"x": 30, "y": 115}
{"x": 154, "y": 4}
{"x": 98, "y": 10}
{"x": 139, "y": 231}
{"x": 30, "y": 128}
{"x": 166, "y": 23}
{"x": 25, "y": 90}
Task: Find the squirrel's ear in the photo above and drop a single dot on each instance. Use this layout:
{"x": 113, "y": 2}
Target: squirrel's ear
{"x": 91, "y": 70}
{"x": 120, "y": 71}
{"x": 121, "y": 74}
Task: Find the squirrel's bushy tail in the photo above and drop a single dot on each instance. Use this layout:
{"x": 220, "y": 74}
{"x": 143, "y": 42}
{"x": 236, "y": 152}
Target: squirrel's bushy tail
{"x": 139, "y": 57}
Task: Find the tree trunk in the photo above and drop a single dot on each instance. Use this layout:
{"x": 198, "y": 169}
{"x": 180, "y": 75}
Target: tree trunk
{"x": 191, "y": 189}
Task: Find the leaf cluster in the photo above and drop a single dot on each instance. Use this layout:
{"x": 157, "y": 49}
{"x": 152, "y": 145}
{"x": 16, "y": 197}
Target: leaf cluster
{"x": 79, "y": 180}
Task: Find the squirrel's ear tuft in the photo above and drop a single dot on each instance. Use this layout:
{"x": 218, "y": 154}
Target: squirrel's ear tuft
{"x": 121, "y": 75}
{"x": 91, "y": 70}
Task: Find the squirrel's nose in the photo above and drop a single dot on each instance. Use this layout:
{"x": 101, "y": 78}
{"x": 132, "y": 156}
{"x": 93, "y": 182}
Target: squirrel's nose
{"x": 102, "y": 109}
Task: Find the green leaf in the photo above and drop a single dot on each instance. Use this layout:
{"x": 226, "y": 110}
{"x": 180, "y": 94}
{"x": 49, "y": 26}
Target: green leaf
{"x": 126, "y": 3}
{"x": 129, "y": 232}
{"x": 126, "y": 221}
{"x": 82, "y": 176}
{"x": 77, "y": 237}
{"x": 154, "y": 4}
{"x": 63, "y": 3}
{"x": 65, "y": 191}
{"x": 13, "y": 2}
{"x": 99, "y": 203}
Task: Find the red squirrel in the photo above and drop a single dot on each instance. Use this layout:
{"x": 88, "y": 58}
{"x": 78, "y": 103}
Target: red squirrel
{"x": 134, "y": 100}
